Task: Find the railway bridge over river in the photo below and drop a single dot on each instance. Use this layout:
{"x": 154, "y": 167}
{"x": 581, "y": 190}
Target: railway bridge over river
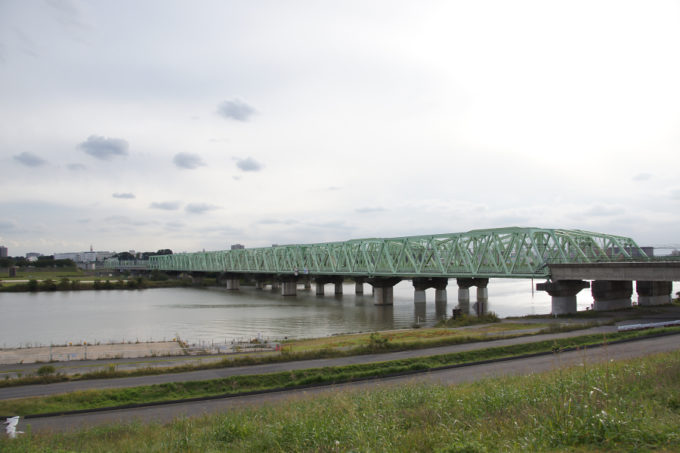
{"x": 566, "y": 259}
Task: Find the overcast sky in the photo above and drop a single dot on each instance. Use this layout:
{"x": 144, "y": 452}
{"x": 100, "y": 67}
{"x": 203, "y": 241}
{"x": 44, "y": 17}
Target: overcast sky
{"x": 195, "y": 125}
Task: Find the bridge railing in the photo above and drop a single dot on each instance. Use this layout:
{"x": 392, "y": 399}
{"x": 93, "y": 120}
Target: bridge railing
{"x": 113, "y": 263}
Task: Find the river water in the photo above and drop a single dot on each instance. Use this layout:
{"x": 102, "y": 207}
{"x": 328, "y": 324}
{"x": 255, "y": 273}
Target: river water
{"x": 215, "y": 314}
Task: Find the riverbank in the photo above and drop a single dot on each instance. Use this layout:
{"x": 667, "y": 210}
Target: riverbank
{"x": 589, "y": 407}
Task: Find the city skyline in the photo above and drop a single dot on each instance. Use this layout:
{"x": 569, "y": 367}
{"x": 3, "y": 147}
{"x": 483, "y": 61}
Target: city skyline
{"x": 158, "y": 125}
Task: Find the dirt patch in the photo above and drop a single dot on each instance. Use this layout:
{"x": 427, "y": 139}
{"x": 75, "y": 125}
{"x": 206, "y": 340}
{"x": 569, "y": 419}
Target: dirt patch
{"x": 89, "y": 352}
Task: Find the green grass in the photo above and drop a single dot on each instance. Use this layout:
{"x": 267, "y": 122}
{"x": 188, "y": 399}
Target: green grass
{"x": 626, "y": 406}
{"x": 315, "y": 376}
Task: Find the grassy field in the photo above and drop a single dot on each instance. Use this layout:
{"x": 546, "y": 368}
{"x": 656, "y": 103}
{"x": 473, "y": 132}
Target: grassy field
{"x": 619, "y": 406}
{"x": 410, "y": 336}
{"x": 239, "y": 384}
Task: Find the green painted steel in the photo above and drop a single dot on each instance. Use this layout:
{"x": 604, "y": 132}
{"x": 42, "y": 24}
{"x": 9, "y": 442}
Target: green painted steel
{"x": 492, "y": 253}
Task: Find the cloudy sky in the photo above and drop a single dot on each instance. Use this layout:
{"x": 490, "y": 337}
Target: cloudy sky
{"x": 195, "y": 125}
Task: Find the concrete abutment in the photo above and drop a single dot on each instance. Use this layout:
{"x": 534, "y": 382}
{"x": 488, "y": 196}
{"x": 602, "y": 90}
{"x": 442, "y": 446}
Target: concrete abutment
{"x": 563, "y": 293}
{"x": 654, "y": 293}
{"x": 611, "y": 294}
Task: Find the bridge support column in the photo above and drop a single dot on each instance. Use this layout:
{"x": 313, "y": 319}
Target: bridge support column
{"x": 308, "y": 284}
{"x": 289, "y": 286}
{"x": 421, "y": 284}
{"x": 276, "y": 285}
{"x": 358, "y": 286}
{"x": 563, "y": 294}
{"x": 611, "y": 294}
{"x": 319, "y": 289}
{"x": 233, "y": 284}
{"x": 440, "y": 296}
{"x": 482, "y": 290}
{"x": 322, "y": 280}
{"x": 464, "y": 285}
{"x": 383, "y": 289}
{"x": 654, "y": 293}
{"x": 259, "y": 284}
{"x": 419, "y": 287}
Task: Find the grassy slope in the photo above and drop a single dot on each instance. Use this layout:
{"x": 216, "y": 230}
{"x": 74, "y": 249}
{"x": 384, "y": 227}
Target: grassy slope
{"x": 239, "y": 384}
{"x": 622, "y": 406}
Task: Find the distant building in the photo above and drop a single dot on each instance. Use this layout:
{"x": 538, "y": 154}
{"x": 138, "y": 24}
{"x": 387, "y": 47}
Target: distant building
{"x": 84, "y": 260}
{"x": 237, "y": 246}
{"x": 32, "y": 257}
{"x": 634, "y": 253}
{"x": 3, "y": 252}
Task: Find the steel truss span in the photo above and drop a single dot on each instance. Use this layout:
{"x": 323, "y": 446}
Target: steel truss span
{"x": 492, "y": 253}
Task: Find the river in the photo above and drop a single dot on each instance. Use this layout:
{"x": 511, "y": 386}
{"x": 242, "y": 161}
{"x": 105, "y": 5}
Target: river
{"x": 215, "y": 314}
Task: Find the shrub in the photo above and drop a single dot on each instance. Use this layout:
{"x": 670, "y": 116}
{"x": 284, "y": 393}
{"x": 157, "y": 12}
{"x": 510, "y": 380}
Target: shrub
{"x": 46, "y": 370}
{"x": 33, "y": 285}
{"x": 64, "y": 284}
{"x": 48, "y": 285}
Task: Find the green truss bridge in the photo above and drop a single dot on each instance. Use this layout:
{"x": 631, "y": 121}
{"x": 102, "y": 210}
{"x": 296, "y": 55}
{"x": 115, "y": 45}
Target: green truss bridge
{"x": 429, "y": 261}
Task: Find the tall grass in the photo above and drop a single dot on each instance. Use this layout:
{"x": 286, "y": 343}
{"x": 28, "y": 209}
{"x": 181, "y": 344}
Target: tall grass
{"x": 623, "y": 406}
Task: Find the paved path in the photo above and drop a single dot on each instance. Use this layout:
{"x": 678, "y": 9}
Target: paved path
{"x": 218, "y": 373}
{"x": 447, "y": 377}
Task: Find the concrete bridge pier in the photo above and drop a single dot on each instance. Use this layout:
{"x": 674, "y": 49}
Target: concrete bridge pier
{"x": 358, "y": 286}
{"x": 464, "y": 285}
{"x": 482, "y": 290}
{"x": 308, "y": 284}
{"x": 289, "y": 286}
{"x": 419, "y": 287}
{"x": 276, "y": 285}
{"x": 259, "y": 284}
{"x": 322, "y": 280}
{"x": 611, "y": 294}
{"x": 654, "y": 293}
{"x": 383, "y": 289}
{"x": 421, "y": 284}
{"x": 563, "y": 294}
{"x": 319, "y": 288}
{"x": 440, "y": 296}
{"x": 232, "y": 282}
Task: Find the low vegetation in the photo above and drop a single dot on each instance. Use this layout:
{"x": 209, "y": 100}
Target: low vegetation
{"x": 619, "y": 406}
{"x": 315, "y": 376}
{"x": 98, "y": 283}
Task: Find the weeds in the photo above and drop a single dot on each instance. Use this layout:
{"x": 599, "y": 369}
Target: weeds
{"x": 566, "y": 410}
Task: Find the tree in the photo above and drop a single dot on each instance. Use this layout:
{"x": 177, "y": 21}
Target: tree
{"x": 124, "y": 256}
